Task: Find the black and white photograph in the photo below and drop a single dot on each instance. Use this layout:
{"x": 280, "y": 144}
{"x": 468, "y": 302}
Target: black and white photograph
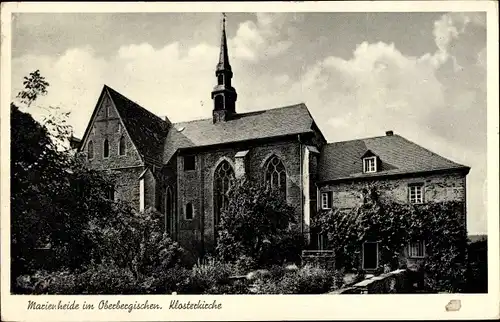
{"x": 231, "y": 152}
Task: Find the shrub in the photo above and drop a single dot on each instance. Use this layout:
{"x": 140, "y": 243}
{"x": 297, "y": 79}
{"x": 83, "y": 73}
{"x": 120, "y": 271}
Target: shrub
{"x": 306, "y": 280}
{"x": 108, "y": 278}
{"x": 98, "y": 279}
{"x": 213, "y": 277}
{"x": 477, "y": 268}
{"x": 174, "y": 279}
{"x": 258, "y": 224}
{"x": 244, "y": 264}
{"x": 44, "y": 282}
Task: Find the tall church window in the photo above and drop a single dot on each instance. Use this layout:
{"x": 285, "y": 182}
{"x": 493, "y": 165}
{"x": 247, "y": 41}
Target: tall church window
{"x": 90, "y": 150}
{"x": 223, "y": 178}
{"x": 275, "y": 175}
{"x": 169, "y": 211}
{"x": 106, "y": 148}
{"x": 220, "y": 79}
{"x": 121, "y": 146}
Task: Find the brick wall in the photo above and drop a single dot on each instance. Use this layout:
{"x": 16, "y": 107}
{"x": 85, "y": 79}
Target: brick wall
{"x": 110, "y": 128}
{"x": 127, "y": 185}
{"x": 196, "y": 186}
{"x": 437, "y": 187}
{"x": 128, "y": 167}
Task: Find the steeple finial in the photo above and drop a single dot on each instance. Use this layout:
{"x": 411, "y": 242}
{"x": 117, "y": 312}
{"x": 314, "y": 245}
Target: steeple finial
{"x": 223, "y": 57}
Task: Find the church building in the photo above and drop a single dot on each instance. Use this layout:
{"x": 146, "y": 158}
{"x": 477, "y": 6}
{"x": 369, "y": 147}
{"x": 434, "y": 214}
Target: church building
{"x": 184, "y": 169}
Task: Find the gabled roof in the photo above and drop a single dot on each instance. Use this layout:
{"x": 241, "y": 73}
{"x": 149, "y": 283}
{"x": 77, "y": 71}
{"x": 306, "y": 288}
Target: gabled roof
{"x": 147, "y": 131}
{"x": 294, "y": 119}
{"x": 343, "y": 160}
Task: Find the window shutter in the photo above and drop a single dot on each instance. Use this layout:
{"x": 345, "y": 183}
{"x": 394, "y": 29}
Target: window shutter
{"x": 330, "y": 197}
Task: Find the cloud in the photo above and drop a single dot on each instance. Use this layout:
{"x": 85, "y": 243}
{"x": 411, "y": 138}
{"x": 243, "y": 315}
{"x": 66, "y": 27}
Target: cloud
{"x": 263, "y": 38}
{"x": 449, "y": 28}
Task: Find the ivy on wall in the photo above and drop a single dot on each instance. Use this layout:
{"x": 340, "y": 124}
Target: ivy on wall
{"x": 439, "y": 224}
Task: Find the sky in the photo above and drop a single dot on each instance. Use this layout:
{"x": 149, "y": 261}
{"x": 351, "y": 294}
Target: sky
{"x": 422, "y": 75}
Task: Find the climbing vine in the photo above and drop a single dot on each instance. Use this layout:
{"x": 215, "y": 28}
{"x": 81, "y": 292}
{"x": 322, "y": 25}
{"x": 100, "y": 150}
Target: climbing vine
{"x": 439, "y": 224}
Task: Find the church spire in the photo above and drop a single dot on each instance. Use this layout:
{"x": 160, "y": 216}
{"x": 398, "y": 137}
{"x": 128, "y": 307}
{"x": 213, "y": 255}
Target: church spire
{"x": 223, "y": 94}
{"x": 223, "y": 57}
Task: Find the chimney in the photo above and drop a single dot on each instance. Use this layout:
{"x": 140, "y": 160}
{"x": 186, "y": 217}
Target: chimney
{"x": 389, "y": 133}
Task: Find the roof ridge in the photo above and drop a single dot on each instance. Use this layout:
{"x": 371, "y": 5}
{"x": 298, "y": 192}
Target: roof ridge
{"x": 361, "y": 139}
{"x": 249, "y": 112}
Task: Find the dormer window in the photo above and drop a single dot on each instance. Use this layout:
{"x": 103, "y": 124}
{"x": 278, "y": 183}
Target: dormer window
{"x": 370, "y": 164}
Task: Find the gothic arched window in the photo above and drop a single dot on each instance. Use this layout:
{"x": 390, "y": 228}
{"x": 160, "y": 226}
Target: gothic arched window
{"x": 106, "y": 148}
{"x": 275, "y": 175}
{"x": 223, "y": 178}
{"x": 169, "y": 211}
{"x": 121, "y": 146}
{"x": 90, "y": 150}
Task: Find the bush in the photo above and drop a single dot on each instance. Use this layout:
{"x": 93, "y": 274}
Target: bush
{"x": 260, "y": 225}
{"x": 477, "y": 268}
{"x": 108, "y": 279}
{"x": 211, "y": 277}
{"x": 44, "y": 282}
{"x": 306, "y": 280}
{"x": 98, "y": 279}
{"x": 244, "y": 264}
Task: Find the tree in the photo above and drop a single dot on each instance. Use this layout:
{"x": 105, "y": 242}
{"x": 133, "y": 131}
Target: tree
{"x": 258, "y": 223}
{"x": 37, "y": 175}
{"x": 61, "y": 206}
{"x": 35, "y": 85}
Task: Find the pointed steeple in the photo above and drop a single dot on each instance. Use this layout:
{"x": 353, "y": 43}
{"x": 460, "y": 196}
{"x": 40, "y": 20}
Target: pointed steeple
{"x": 223, "y": 64}
{"x": 223, "y": 94}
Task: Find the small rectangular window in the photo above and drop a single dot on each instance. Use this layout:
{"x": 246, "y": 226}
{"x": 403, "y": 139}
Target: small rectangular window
{"x": 416, "y": 249}
{"x": 189, "y": 163}
{"x": 326, "y": 200}
{"x": 189, "y": 211}
{"x": 416, "y": 193}
{"x": 370, "y": 164}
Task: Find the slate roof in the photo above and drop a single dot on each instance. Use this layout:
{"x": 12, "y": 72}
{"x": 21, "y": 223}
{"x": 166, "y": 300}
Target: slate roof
{"x": 288, "y": 120}
{"x": 146, "y": 130}
{"x": 343, "y": 160}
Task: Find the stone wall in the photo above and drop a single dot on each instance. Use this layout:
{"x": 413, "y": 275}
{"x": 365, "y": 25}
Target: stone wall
{"x": 196, "y": 186}
{"x": 437, "y": 188}
{"x": 126, "y": 168}
{"x": 127, "y": 185}
{"x": 110, "y": 128}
